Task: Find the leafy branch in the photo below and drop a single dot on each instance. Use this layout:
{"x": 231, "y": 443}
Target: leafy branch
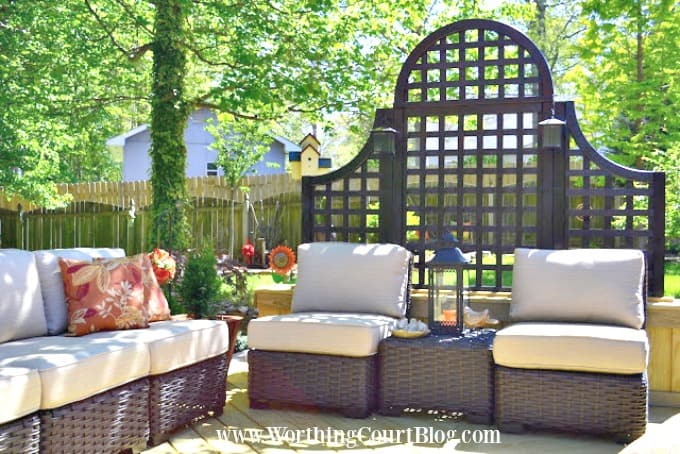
{"x": 132, "y": 54}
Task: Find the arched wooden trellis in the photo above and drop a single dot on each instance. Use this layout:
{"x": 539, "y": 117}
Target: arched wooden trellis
{"x": 469, "y": 162}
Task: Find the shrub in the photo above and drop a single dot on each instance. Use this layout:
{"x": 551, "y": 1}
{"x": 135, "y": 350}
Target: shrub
{"x": 200, "y": 285}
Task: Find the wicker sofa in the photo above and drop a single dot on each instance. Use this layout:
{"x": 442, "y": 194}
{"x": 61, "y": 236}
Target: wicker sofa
{"x": 575, "y": 358}
{"x": 102, "y": 392}
{"x": 324, "y": 354}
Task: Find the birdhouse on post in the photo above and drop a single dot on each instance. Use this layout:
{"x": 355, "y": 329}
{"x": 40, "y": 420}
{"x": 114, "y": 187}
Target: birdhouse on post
{"x": 308, "y": 161}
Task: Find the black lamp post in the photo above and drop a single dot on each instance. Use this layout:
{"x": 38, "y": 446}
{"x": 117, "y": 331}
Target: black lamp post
{"x": 446, "y": 308}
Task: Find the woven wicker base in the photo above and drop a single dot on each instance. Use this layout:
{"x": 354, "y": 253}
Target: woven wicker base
{"x": 182, "y": 396}
{"x": 327, "y": 382}
{"x": 438, "y": 373}
{"x": 111, "y": 421}
{"x": 22, "y": 435}
{"x": 612, "y": 405}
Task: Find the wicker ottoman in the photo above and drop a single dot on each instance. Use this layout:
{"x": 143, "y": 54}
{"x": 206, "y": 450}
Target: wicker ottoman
{"x": 438, "y": 373}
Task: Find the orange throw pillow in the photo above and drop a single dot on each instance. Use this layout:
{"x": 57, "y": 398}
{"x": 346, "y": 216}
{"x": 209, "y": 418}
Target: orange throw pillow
{"x": 104, "y": 295}
{"x": 154, "y": 297}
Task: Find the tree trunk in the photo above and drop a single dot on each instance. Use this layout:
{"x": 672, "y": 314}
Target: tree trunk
{"x": 639, "y": 74}
{"x": 540, "y": 19}
{"x": 168, "y": 117}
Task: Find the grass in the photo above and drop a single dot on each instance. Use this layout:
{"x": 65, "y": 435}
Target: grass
{"x": 672, "y": 279}
{"x": 256, "y": 280}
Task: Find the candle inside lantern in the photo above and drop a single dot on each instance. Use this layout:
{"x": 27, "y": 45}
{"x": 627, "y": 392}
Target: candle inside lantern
{"x": 449, "y": 315}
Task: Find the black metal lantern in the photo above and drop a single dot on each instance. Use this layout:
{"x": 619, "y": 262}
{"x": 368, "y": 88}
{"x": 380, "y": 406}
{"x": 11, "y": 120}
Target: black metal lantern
{"x": 383, "y": 140}
{"x": 552, "y": 131}
{"x": 445, "y": 296}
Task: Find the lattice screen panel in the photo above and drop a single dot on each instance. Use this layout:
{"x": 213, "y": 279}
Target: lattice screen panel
{"x": 469, "y": 163}
{"x": 472, "y": 99}
{"x": 610, "y": 206}
{"x": 473, "y": 65}
{"x": 347, "y": 208}
{"x": 476, "y": 175}
{"x": 605, "y": 210}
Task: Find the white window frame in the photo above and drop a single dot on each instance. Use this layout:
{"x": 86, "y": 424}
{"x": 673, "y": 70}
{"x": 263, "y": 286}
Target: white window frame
{"x": 211, "y": 169}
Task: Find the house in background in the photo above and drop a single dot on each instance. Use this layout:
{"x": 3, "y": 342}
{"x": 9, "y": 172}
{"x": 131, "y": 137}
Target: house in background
{"x": 201, "y": 159}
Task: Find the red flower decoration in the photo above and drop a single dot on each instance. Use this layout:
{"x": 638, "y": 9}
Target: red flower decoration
{"x": 163, "y": 264}
{"x": 248, "y": 251}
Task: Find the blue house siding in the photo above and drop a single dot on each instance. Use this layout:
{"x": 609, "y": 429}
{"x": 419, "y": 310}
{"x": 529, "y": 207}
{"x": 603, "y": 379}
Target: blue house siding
{"x": 137, "y": 142}
{"x": 273, "y": 162}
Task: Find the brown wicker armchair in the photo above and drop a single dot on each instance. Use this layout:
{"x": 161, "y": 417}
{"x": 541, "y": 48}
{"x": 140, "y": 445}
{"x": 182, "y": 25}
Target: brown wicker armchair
{"x": 324, "y": 354}
{"x": 576, "y": 359}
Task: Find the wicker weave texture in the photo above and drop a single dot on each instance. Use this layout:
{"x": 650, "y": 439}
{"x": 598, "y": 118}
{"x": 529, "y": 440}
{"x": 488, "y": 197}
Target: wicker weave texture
{"x": 21, "y": 436}
{"x": 110, "y": 421}
{"x": 328, "y": 382}
{"x": 438, "y": 373}
{"x": 602, "y": 404}
{"x": 182, "y": 396}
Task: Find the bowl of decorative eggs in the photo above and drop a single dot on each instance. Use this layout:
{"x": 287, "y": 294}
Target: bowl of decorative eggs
{"x": 410, "y": 329}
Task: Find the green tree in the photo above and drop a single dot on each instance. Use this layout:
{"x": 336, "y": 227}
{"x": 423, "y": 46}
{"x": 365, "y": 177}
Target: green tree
{"x": 170, "y": 110}
{"x": 669, "y": 162}
{"x": 240, "y": 146}
{"x": 628, "y": 80}
{"x": 58, "y": 103}
{"x": 554, "y": 26}
{"x": 629, "y": 86}
{"x": 261, "y": 61}
{"x": 83, "y": 70}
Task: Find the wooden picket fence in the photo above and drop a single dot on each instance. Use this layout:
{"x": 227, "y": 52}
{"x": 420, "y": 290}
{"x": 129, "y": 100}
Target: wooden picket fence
{"x": 118, "y": 215}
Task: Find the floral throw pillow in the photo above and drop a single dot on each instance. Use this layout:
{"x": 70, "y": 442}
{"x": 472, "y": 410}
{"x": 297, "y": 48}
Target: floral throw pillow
{"x": 154, "y": 298}
{"x": 104, "y": 295}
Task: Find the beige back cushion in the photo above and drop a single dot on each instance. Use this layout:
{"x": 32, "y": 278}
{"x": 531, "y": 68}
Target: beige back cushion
{"x": 348, "y": 277}
{"x": 21, "y": 309}
{"x": 52, "y": 284}
{"x": 579, "y": 285}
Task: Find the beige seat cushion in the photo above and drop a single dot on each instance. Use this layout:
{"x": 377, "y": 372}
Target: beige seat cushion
{"x": 349, "y": 277}
{"x": 573, "y": 347}
{"x": 21, "y": 309}
{"x": 579, "y": 285}
{"x": 74, "y": 368}
{"x": 20, "y": 391}
{"x": 175, "y": 344}
{"x": 52, "y": 284}
{"x": 329, "y": 333}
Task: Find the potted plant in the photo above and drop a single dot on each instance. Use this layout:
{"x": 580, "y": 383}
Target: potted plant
{"x": 200, "y": 284}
